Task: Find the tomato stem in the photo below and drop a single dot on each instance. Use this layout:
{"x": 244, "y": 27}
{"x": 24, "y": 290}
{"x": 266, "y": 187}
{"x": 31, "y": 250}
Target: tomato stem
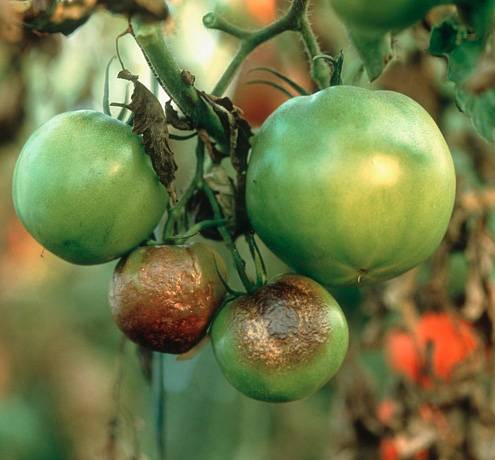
{"x": 150, "y": 39}
{"x": 194, "y": 185}
{"x": 239, "y": 262}
{"x": 159, "y": 404}
{"x": 295, "y": 19}
{"x": 259, "y": 263}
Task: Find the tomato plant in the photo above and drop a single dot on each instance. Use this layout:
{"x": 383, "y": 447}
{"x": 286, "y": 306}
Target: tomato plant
{"x": 359, "y": 207}
{"x": 163, "y": 297}
{"x": 85, "y": 189}
{"x": 452, "y": 342}
{"x": 349, "y": 186}
{"x": 283, "y": 341}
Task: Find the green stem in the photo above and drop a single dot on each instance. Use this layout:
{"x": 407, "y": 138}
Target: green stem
{"x": 228, "y": 240}
{"x": 159, "y": 404}
{"x": 295, "y": 19}
{"x": 194, "y": 185}
{"x": 195, "y": 229}
{"x": 150, "y": 39}
{"x": 320, "y": 71}
{"x": 259, "y": 263}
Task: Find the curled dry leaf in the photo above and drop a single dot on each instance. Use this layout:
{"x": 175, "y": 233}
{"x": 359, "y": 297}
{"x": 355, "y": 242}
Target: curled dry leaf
{"x": 174, "y": 119}
{"x": 149, "y": 120}
{"x": 239, "y": 133}
{"x": 65, "y": 16}
{"x": 153, "y": 9}
{"x": 49, "y": 16}
{"x": 224, "y": 189}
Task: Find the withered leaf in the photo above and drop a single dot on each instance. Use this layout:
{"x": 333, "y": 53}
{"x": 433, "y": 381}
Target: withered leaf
{"x": 175, "y": 119}
{"x": 153, "y": 9}
{"x": 239, "y": 132}
{"x": 57, "y": 16}
{"x": 149, "y": 120}
{"x": 65, "y": 16}
{"x": 224, "y": 188}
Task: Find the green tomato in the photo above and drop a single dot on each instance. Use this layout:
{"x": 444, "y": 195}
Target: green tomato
{"x": 350, "y": 186}
{"x": 85, "y": 189}
{"x": 283, "y": 341}
{"x": 368, "y": 16}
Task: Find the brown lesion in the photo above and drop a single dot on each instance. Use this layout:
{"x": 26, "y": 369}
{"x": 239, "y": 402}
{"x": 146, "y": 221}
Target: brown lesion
{"x": 164, "y": 297}
{"x": 282, "y": 324}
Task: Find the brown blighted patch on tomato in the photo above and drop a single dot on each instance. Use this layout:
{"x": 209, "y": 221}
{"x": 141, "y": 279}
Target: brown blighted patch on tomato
{"x": 282, "y": 325}
{"x": 163, "y": 297}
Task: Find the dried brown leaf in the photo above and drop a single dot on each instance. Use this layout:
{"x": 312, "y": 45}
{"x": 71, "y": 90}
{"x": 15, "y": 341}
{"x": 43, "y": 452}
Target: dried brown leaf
{"x": 174, "y": 119}
{"x": 149, "y": 121}
{"x": 153, "y": 9}
{"x": 49, "y": 16}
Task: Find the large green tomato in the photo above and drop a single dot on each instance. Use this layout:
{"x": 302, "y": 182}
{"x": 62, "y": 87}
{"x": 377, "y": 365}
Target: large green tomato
{"x": 281, "y": 342}
{"x": 369, "y": 16}
{"x": 85, "y": 189}
{"x": 349, "y": 185}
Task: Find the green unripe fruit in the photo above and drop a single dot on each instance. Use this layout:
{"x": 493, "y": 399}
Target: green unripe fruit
{"x": 85, "y": 189}
{"x": 350, "y": 186}
{"x": 283, "y": 341}
{"x": 368, "y": 16}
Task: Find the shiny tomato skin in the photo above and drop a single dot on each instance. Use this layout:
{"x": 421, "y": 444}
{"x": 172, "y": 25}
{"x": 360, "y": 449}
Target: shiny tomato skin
{"x": 85, "y": 189}
{"x": 164, "y": 297}
{"x": 350, "y": 186}
{"x": 283, "y": 341}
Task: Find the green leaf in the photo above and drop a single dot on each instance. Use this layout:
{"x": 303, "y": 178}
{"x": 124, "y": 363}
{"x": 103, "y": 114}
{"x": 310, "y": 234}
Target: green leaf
{"x": 299, "y": 89}
{"x": 464, "y": 51}
{"x": 375, "y": 51}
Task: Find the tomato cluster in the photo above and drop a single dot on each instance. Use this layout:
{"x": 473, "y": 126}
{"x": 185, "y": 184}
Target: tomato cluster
{"x": 339, "y": 186}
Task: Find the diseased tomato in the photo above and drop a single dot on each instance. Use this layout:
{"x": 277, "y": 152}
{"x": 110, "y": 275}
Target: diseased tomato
{"x": 85, "y": 189}
{"x": 453, "y": 341}
{"x": 340, "y": 185}
{"x": 282, "y": 342}
{"x": 163, "y": 297}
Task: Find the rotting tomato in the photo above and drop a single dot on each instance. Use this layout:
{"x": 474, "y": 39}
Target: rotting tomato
{"x": 350, "y": 186}
{"x": 281, "y": 342}
{"x": 163, "y": 297}
{"x": 453, "y": 342}
{"x": 85, "y": 189}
